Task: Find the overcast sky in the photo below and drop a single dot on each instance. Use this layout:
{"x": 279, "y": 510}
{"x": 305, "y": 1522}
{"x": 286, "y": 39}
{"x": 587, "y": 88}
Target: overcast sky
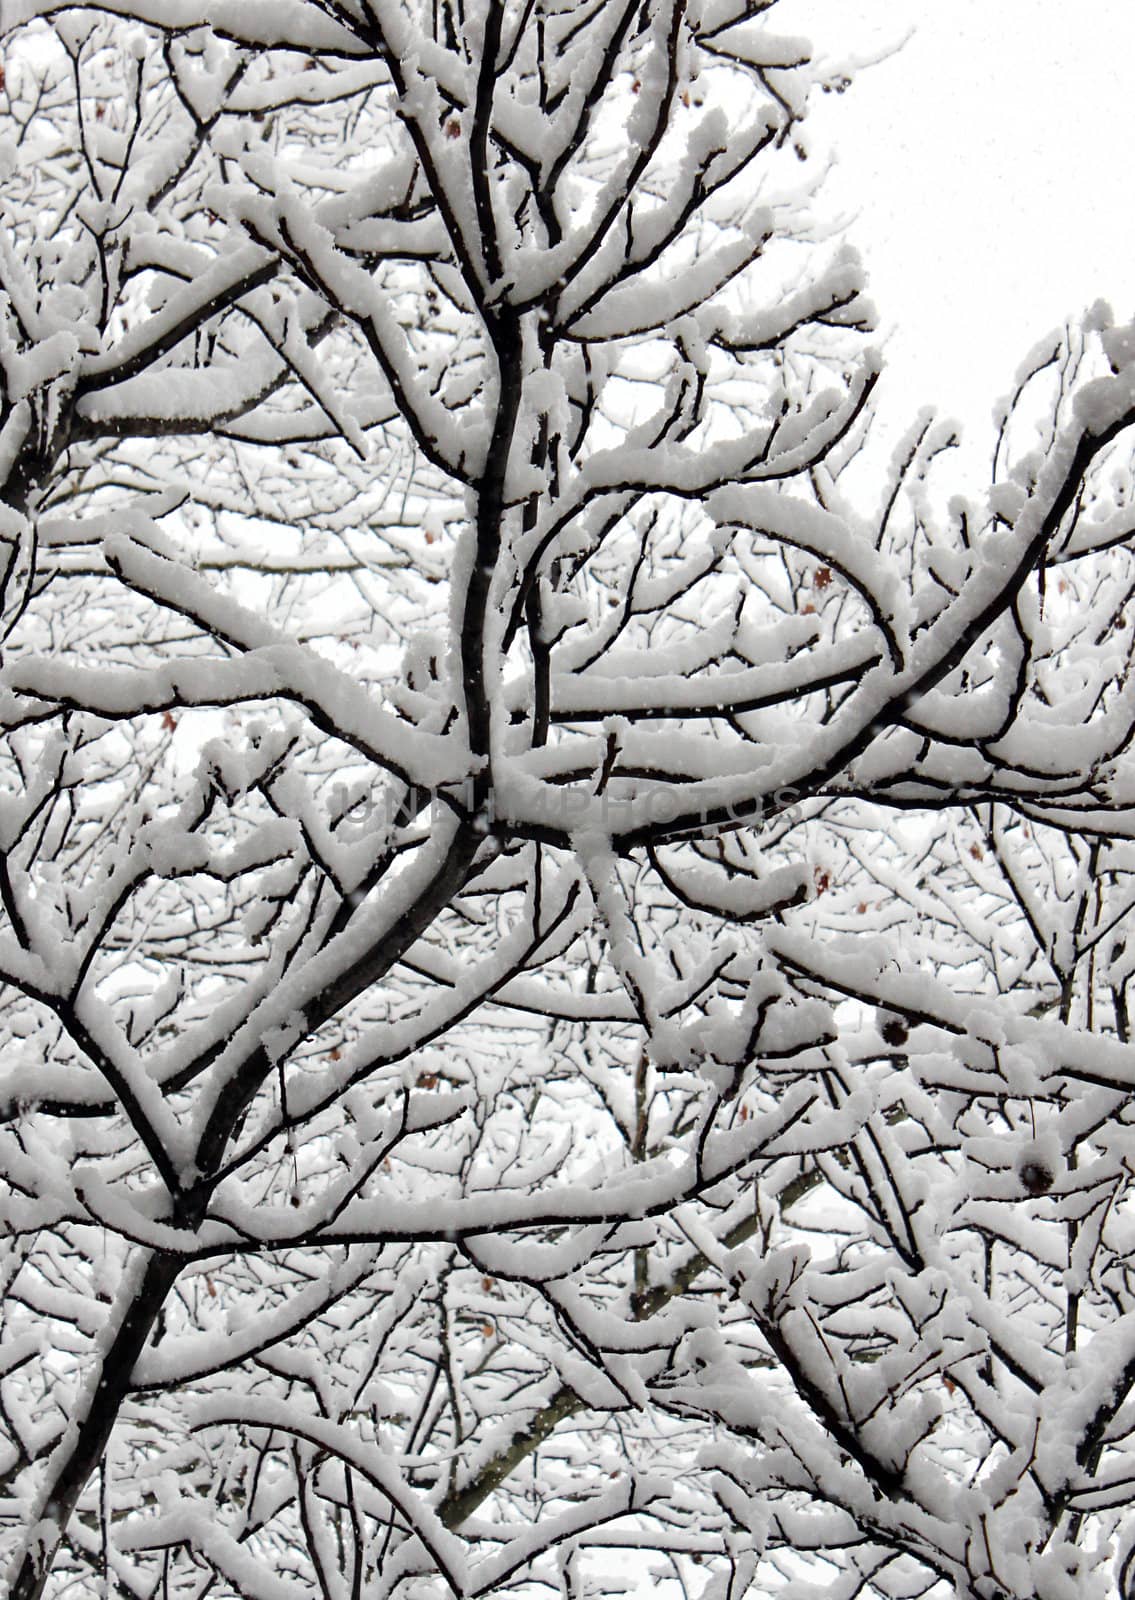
{"x": 989, "y": 167}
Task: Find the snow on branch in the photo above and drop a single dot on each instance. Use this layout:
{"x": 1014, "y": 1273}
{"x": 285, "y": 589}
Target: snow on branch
{"x": 564, "y": 982}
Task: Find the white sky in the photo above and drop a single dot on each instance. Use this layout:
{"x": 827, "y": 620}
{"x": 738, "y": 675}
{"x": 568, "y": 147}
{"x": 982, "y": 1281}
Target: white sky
{"x": 988, "y": 168}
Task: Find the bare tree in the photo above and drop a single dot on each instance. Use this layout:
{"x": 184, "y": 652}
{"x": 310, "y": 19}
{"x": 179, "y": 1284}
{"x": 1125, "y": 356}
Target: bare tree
{"x": 564, "y": 987}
